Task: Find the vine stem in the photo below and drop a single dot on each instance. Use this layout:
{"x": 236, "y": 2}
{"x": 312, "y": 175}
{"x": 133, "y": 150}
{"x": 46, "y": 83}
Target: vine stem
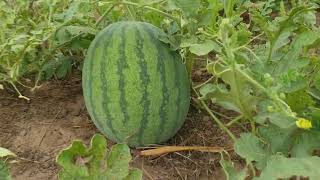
{"x": 152, "y": 9}
{"x": 252, "y": 81}
{"x": 249, "y": 42}
{"x": 251, "y": 166}
{"x": 149, "y": 8}
{"x": 105, "y": 14}
{"x": 20, "y": 95}
{"x": 204, "y": 83}
{"x": 234, "y": 120}
{"x": 231, "y": 57}
{"x": 263, "y": 89}
{"x": 254, "y": 54}
{"x": 220, "y": 124}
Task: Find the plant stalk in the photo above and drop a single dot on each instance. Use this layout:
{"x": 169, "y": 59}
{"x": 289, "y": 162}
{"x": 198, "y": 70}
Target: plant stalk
{"x": 220, "y": 124}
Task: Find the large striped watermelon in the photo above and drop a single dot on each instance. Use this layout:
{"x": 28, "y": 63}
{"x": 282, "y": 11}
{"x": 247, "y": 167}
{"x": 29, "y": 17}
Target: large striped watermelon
{"x": 135, "y": 88}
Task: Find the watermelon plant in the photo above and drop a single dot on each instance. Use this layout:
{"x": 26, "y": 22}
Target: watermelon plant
{"x": 256, "y": 80}
{"x": 96, "y": 162}
{"x": 260, "y": 59}
{"x": 135, "y": 88}
{"x": 42, "y": 40}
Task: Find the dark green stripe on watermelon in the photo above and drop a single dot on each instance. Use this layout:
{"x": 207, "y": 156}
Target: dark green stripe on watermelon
{"x": 145, "y": 102}
{"x": 139, "y": 87}
{"x": 178, "y": 86}
{"x": 106, "y": 96}
{"x": 90, "y": 101}
{"x": 122, "y": 64}
{"x": 161, "y": 70}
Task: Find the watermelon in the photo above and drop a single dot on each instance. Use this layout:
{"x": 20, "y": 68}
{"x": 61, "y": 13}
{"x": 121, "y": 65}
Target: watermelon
{"x": 136, "y": 89}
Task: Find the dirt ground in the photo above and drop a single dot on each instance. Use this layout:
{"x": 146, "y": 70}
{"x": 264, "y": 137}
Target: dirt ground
{"x": 37, "y": 130}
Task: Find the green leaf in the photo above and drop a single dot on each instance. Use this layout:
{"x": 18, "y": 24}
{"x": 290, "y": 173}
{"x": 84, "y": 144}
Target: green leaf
{"x": 282, "y": 167}
{"x": 279, "y": 140}
{"x": 238, "y": 96}
{"x": 95, "y": 163}
{"x": 230, "y": 171}
{"x": 171, "y": 40}
{"x": 280, "y": 29}
{"x": 64, "y": 68}
{"x": 68, "y": 33}
{"x": 219, "y": 94}
{"x": 306, "y": 143}
{"x": 291, "y": 59}
{"x": 97, "y": 153}
{"x": 189, "y": 7}
{"x": 77, "y": 9}
{"x": 49, "y": 68}
{"x": 279, "y": 119}
{"x": 188, "y": 41}
{"x": 60, "y": 65}
{"x": 315, "y": 93}
{"x": 5, "y": 152}
{"x": 309, "y": 18}
{"x": 209, "y": 15}
{"x": 67, "y": 157}
{"x": 134, "y": 174}
{"x": 4, "y": 172}
{"x": 204, "y": 48}
{"x": 292, "y": 81}
{"x": 118, "y": 162}
{"x": 206, "y": 89}
{"x": 317, "y": 81}
{"x": 249, "y": 147}
{"x": 153, "y": 17}
{"x": 299, "y": 101}
{"x": 293, "y": 142}
{"x": 315, "y": 117}
{"x": 241, "y": 36}
{"x": 282, "y": 40}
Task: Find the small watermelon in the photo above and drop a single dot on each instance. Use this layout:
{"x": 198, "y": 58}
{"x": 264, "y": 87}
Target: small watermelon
{"x": 136, "y": 89}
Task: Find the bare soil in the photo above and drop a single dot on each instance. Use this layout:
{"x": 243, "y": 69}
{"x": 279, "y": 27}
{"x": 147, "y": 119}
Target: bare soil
{"x": 37, "y": 130}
